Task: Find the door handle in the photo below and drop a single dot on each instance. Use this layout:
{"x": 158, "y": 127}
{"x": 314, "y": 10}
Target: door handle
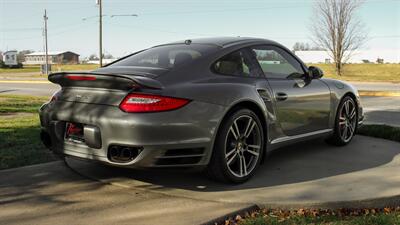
{"x": 280, "y": 96}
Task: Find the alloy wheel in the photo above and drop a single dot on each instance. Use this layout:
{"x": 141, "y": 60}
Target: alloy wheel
{"x": 243, "y": 146}
{"x": 347, "y": 120}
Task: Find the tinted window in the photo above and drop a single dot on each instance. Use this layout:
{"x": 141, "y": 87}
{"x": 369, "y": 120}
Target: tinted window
{"x": 276, "y": 62}
{"x": 236, "y": 63}
{"x": 167, "y": 56}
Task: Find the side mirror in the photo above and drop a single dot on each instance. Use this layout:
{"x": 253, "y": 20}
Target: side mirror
{"x": 315, "y": 72}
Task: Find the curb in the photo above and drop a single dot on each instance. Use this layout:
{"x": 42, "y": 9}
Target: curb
{"x": 25, "y": 81}
{"x": 369, "y": 203}
{"x": 392, "y": 201}
{"x": 221, "y": 219}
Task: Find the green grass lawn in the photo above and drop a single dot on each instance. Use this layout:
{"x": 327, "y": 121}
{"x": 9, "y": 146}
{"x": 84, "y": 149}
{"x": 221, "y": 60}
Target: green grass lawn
{"x": 20, "y": 103}
{"x": 364, "y": 72}
{"x": 20, "y": 144}
{"x": 381, "y": 131}
{"x": 375, "y": 219}
{"x": 352, "y": 72}
{"x": 55, "y": 68}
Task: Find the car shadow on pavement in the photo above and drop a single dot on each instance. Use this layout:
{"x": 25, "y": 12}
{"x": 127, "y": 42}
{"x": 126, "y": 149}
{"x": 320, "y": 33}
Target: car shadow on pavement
{"x": 302, "y": 162}
{"x": 27, "y": 184}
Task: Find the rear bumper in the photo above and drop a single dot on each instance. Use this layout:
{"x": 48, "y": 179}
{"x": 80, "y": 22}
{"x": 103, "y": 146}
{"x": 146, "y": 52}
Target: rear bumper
{"x": 182, "y": 137}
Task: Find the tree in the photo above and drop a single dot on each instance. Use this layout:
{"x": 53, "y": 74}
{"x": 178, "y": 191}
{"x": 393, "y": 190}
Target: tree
{"x": 93, "y": 57}
{"x": 336, "y": 28}
{"x": 108, "y": 56}
{"x": 300, "y": 46}
{"x": 21, "y": 55}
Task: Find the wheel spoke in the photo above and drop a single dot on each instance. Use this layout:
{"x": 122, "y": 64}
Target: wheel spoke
{"x": 240, "y": 165}
{"x": 254, "y": 146}
{"x": 349, "y": 133}
{"x": 344, "y": 132}
{"x": 253, "y": 124}
{"x": 236, "y": 128}
{"x": 252, "y": 149}
{"x": 233, "y": 132}
{"x": 230, "y": 153}
{"x": 342, "y": 120}
{"x": 248, "y": 125}
{"x": 252, "y": 152}
{"x": 353, "y": 113}
{"x": 346, "y": 107}
{"x": 244, "y": 165}
{"x": 229, "y": 162}
{"x": 351, "y": 128}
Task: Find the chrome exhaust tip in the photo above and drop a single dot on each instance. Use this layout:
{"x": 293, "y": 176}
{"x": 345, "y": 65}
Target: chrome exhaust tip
{"x": 122, "y": 154}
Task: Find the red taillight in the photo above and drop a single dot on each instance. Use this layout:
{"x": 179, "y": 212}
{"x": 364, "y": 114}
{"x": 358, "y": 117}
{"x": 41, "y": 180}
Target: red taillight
{"x": 74, "y": 77}
{"x": 150, "y": 103}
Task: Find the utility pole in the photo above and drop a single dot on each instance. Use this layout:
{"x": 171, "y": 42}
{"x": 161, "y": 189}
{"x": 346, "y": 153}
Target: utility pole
{"x": 45, "y": 42}
{"x": 100, "y": 32}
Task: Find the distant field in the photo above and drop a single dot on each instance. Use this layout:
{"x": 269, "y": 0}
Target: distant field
{"x": 364, "y": 72}
{"x": 352, "y": 72}
{"x": 55, "y": 68}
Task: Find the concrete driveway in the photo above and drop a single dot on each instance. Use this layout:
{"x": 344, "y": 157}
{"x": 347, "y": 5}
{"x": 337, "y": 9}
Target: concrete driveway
{"x": 312, "y": 173}
{"x": 53, "y": 194}
{"x": 364, "y": 173}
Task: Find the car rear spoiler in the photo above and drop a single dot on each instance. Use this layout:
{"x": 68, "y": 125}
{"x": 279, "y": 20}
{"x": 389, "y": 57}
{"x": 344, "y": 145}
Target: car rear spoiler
{"x": 103, "y": 80}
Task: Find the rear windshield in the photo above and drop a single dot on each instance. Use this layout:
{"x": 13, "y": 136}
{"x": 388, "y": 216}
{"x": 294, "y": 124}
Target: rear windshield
{"x": 167, "y": 56}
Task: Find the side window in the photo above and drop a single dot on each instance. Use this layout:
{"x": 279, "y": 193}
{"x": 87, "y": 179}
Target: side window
{"x": 236, "y": 63}
{"x": 276, "y": 62}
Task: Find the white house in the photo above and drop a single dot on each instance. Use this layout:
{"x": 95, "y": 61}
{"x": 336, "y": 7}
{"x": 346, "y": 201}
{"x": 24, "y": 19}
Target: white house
{"x": 104, "y": 61}
{"x": 10, "y": 58}
{"x": 361, "y": 56}
{"x": 61, "y": 57}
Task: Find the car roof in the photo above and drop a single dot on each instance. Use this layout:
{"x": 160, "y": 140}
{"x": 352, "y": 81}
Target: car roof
{"x": 223, "y": 41}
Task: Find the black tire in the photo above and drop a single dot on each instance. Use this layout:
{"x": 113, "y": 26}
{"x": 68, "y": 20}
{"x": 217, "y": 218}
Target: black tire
{"x": 351, "y": 121}
{"x": 244, "y": 148}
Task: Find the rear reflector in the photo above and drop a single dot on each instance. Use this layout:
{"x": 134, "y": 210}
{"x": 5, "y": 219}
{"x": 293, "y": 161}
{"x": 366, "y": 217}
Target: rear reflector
{"x": 135, "y": 103}
{"x": 74, "y": 77}
{"x": 55, "y": 96}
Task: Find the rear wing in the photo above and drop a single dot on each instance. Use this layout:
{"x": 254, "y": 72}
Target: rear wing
{"x": 103, "y": 80}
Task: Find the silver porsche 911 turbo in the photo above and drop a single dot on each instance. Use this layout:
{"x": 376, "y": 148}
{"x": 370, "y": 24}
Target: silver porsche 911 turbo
{"x": 220, "y": 104}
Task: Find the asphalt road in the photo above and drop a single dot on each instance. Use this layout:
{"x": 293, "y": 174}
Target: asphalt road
{"x": 35, "y": 89}
{"x": 376, "y": 86}
{"x": 379, "y": 110}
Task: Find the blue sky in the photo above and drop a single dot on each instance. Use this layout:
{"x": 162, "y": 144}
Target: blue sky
{"x": 285, "y": 21}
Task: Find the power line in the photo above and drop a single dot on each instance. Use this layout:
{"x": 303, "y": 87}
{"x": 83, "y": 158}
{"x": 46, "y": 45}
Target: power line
{"x": 52, "y": 34}
{"x": 19, "y": 29}
{"x": 147, "y": 27}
